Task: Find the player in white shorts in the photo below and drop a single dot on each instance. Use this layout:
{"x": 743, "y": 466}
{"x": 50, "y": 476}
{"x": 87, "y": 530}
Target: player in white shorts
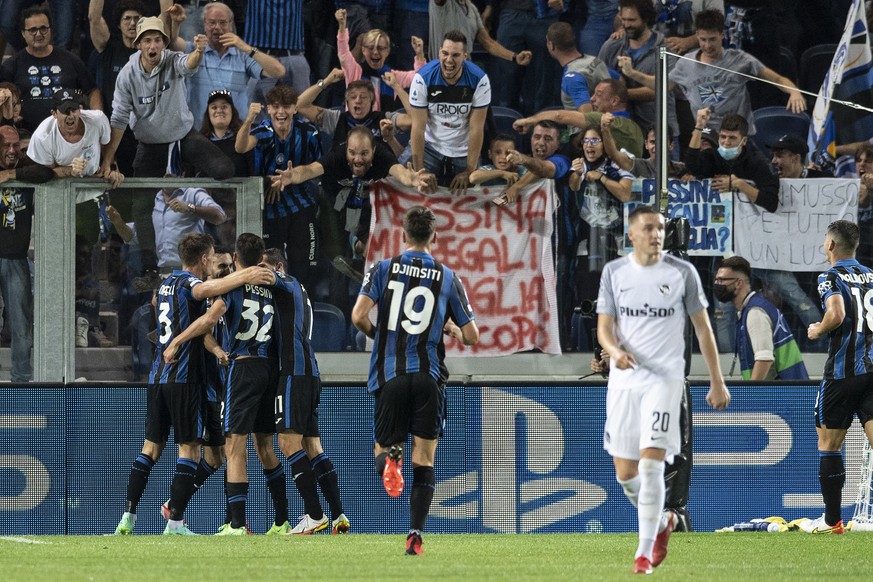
{"x": 643, "y": 302}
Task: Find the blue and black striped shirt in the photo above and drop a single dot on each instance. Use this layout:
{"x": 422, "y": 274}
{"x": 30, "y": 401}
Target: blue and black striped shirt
{"x": 248, "y": 329}
{"x": 176, "y": 310}
{"x": 294, "y": 313}
{"x": 300, "y": 147}
{"x": 850, "y": 345}
{"x": 275, "y": 24}
{"x": 416, "y": 294}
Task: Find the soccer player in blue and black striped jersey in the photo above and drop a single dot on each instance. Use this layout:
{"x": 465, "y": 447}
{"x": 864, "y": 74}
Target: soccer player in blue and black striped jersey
{"x": 248, "y": 404}
{"x": 297, "y": 396}
{"x": 846, "y": 291}
{"x": 176, "y": 383}
{"x": 285, "y": 140}
{"x": 420, "y": 299}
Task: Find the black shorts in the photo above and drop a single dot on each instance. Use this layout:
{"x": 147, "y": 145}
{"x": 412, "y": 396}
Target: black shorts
{"x": 296, "y": 406}
{"x": 214, "y": 424}
{"x": 411, "y": 403}
{"x": 176, "y": 405}
{"x": 251, "y": 388}
{"x": 838, "y": 401}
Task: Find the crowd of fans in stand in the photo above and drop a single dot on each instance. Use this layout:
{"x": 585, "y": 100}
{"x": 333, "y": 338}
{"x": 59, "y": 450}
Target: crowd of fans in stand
{"x": 321, "y": 98}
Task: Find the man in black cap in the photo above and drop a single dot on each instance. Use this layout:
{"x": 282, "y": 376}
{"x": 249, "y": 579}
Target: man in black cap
{"x": 789, "y": 158}
{"x": 71, "y": 139}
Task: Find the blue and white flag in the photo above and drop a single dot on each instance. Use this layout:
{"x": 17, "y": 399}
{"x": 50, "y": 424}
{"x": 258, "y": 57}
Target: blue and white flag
{"x": 850, "y": 78}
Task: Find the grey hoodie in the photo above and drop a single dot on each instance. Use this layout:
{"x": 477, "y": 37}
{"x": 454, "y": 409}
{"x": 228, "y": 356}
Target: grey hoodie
{"x": 158, "y": 101}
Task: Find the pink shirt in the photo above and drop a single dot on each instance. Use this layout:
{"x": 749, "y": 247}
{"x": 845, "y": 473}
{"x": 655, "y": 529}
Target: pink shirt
{"x": 352, "y": 69}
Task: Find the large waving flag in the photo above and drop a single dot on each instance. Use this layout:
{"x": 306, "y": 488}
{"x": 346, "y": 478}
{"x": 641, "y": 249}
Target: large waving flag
{"x": 850, "y": 78}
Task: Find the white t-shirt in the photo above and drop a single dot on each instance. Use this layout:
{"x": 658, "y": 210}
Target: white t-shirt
{"x": 48, "y": 146}
{"x": 650, "y": 305}
{"x": 449, "y": 106}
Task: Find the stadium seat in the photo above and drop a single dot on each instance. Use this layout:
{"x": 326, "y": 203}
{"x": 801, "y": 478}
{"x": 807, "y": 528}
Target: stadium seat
{"x": 328, "y": 328}
{"x": 787, "y": 64}
{"x": 772, "y": 123}
{"x": 503, "y": 119}
{"x": 814, "y": 64}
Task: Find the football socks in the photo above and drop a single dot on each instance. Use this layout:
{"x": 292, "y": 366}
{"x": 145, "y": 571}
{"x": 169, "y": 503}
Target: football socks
{"x": 329, "y": 483}
{"x": 423, "y": 484}
{"x": 139, "y": 478}
{"x": 276, "y": 485}
{"x": 832, "y": 477}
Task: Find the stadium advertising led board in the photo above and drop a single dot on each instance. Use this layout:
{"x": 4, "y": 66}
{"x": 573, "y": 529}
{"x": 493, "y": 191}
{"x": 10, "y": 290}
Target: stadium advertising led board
{"x": 514, "y": 459}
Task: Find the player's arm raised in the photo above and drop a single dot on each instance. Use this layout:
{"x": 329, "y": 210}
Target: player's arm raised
{"x": 606, "y": 337}
{"x": 718, "y": 396}
{"x": 200, "y": 326}
{"x": 249, "y": 275}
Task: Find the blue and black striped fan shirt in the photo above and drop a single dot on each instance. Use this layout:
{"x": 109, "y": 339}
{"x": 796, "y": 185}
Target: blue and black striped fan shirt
{"x": 275, "y": 24}
{"x": 300, "y": 147}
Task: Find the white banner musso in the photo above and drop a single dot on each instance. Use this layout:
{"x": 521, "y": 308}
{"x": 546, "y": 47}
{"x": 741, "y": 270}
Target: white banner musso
{"x": 791, "y": 238}
{"x": 503, "y": 255}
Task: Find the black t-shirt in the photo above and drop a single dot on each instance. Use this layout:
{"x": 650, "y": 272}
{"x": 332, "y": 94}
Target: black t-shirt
{"x": 39, "y": 78}
{"x": 16, "y": 221}
{"x": 338, "y": 175}
{"x": 109, "y": 63}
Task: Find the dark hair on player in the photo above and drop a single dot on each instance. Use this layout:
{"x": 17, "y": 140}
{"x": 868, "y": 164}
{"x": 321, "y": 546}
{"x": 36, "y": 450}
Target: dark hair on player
{"x": 274, "y": 257}
{"x": 249, "y": 249}
{"x": 419, "y": 224}
{"x": 193, "y": 246}
{"x": 845, "y": 234}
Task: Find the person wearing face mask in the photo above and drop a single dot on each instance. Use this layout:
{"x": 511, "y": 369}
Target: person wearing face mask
{"x": 733, "y": 167}
{"x": 765, "y": 345}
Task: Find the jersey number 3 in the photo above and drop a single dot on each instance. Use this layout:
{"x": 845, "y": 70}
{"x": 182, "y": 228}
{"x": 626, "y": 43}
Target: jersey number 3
{"x": 415, "y": 320}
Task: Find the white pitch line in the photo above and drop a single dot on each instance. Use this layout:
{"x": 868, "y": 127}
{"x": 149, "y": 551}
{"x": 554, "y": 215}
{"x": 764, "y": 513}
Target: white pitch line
{"x": 21, "y": 540}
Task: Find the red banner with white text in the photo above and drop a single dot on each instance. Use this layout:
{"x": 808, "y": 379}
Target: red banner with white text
{"x": 503, "y": 255}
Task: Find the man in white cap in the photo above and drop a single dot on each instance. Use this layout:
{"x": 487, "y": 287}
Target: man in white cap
{"x": 151, "y": 88}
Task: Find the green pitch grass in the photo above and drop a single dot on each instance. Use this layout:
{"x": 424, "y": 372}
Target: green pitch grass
{"x": 697, "y": 556}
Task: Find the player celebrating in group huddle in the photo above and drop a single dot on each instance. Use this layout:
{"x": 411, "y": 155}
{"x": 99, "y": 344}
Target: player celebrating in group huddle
{"x": 176, "y": 388}
{"x": 644, "y": 298}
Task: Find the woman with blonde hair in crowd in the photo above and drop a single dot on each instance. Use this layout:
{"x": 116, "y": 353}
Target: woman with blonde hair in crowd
{"x": 375, "y": 47}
